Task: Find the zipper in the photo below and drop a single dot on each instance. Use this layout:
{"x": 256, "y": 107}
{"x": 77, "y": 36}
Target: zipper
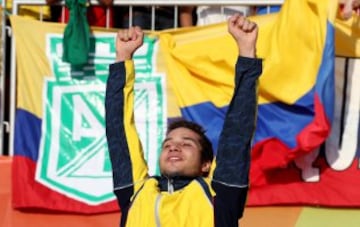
{"x": 157, "y": 207}
{"x": 170, "y": 185}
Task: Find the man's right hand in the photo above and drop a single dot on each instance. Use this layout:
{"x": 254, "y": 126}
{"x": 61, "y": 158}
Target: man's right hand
{"x": 127, "y": 42}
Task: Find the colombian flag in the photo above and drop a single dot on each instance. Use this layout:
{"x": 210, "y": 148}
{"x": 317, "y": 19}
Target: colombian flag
{"x": 296, "y": 92}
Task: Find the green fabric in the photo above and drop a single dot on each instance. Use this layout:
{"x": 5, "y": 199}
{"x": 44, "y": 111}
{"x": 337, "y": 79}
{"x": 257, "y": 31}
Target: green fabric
{"x": 76, "y": 41}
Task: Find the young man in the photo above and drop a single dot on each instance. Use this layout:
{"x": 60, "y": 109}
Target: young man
{"x": 185, "y": 194}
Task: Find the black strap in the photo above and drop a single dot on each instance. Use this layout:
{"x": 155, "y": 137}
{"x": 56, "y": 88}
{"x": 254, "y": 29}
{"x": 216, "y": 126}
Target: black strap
{"x": 206, "y": 188}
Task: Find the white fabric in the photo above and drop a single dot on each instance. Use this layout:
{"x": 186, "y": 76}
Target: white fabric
{"x": 217, "y": 14}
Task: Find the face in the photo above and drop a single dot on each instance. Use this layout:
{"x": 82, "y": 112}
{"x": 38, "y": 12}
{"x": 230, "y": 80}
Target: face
{"x": 181, "y": 154}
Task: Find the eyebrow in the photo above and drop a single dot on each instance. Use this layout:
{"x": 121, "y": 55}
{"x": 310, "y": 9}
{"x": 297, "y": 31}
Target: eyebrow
{"x": 184, "y": 138}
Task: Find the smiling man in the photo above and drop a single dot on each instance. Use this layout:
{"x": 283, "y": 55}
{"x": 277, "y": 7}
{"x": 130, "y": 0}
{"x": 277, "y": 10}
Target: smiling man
{"x": 186, "y": 193}
{"x": 186, "y": 151}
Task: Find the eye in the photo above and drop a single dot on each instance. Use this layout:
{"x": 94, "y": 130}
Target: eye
{"x": 166, "y": 145}
{"x": 186, "y": 144}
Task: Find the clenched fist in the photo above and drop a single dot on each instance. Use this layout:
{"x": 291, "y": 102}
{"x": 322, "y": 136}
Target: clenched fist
{"x": 127, "y": 42}
{"x": 245, "y": 33}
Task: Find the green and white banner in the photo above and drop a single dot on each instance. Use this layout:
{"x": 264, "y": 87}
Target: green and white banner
{"x": 73, "y": 158}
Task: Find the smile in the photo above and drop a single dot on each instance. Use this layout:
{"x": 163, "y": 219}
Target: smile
{"x": 174, "y": 158}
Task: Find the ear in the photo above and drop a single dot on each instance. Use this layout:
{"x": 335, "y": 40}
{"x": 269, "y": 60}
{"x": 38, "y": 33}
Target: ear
{"x": 205, "y": 167}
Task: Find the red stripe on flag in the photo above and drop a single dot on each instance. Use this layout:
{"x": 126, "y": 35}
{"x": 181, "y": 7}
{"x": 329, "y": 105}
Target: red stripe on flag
{"x": 27, "y": 194}
{"x": 272, "y": 153}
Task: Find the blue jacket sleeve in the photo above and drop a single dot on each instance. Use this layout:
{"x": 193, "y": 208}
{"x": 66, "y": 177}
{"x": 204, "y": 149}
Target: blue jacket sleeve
{"x": 127, "y": 160}
{"x": 231, "y": 175}
{"x": 233, "y": 156}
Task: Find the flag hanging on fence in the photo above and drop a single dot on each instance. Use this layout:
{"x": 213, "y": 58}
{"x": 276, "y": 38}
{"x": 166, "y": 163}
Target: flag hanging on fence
{"x": 61, "y": 159}
{"x": 296, "y": 89}
{"x": 59, "y": 152}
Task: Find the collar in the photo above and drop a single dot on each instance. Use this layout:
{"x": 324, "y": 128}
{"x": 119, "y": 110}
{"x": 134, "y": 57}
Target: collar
{"x": 171, "y": 184}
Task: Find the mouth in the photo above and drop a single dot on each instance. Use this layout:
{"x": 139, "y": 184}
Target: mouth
{"x": 174, "y": 159}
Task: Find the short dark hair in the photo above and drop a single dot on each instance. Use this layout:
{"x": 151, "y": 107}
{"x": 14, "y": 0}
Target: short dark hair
{"x": 207, "y": 153}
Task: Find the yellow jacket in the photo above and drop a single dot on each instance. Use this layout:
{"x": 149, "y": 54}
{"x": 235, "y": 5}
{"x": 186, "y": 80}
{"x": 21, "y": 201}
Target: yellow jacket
{"x": 152, "y": 207}
{"x": 181, "y": 201}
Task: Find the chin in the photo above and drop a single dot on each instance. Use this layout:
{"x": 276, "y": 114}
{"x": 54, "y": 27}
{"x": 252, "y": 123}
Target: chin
{"x": 172, "y": 173}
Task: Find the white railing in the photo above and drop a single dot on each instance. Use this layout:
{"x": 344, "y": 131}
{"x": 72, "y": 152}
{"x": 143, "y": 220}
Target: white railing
{"x": 16, "y": 3}
{"x": 130, "y": 3}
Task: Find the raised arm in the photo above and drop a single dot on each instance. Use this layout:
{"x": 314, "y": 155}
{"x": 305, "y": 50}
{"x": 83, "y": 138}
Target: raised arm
{"x": 230, "y": 180}
{"x": 128, "y": 164}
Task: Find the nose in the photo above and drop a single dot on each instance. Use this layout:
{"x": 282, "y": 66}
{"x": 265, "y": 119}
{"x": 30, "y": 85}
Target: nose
{"x": 174, "y": 147}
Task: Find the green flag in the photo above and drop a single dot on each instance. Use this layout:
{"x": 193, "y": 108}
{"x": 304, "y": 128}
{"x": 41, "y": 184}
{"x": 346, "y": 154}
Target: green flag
{"x": 76, "y": 42}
